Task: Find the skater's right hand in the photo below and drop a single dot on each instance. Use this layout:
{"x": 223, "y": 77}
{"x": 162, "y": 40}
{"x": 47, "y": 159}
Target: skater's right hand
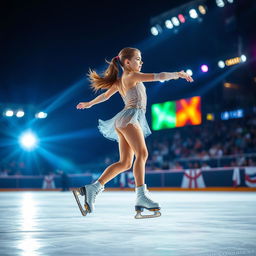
{"x": 184, "y": 75}
{"x": 83, "y": 105}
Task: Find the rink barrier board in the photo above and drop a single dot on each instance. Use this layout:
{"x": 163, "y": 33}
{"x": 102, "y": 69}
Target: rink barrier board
{"x": 211, "y": 179}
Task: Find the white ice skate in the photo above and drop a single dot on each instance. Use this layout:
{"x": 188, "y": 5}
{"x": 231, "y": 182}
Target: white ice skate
{"x": 144, "y": 202}
{"x": 89, "y": 192}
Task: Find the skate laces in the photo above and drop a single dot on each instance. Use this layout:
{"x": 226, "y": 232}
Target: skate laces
{"x": 96, "y": 193}
{"x": 146, "y": 194}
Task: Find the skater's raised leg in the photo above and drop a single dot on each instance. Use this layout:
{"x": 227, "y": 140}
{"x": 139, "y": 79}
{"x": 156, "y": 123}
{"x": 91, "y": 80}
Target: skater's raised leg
{"x": 91, "y": 191}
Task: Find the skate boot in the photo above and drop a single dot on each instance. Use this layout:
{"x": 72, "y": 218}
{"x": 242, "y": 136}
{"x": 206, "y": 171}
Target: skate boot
{"x": 144, "y": 202}
{"x": 89, "y": 192}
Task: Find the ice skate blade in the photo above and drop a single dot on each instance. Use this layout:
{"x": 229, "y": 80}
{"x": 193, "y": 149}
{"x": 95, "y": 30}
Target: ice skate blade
{"x": 80, "y": 191}
{"x": 140, "y": 216}
{"x": 76, "y": 193}
{"x": 141, "y": 208}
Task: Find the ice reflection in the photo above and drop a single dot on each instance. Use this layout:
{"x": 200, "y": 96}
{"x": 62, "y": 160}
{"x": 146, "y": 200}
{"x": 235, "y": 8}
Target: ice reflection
{"x": 29, "y": 246}
{"x": 28, "y": 212}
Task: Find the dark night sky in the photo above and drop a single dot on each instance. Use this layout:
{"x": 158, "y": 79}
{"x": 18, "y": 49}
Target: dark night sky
{"x": 48, "y": 45}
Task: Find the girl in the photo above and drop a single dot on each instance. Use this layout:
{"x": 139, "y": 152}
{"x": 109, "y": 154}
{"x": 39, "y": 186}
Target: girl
{"x": 129, "y": 127}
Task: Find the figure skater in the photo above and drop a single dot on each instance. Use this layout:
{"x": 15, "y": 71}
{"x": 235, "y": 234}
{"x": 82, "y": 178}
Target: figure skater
{"x": 129, "y": 127}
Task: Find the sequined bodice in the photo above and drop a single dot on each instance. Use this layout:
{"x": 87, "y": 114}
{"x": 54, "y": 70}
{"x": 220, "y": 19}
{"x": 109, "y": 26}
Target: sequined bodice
{"x": 136, "y": 97}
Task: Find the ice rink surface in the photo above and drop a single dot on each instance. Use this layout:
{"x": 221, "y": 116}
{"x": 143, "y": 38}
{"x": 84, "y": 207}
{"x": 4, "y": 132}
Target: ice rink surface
{"x": 192, "y": 223}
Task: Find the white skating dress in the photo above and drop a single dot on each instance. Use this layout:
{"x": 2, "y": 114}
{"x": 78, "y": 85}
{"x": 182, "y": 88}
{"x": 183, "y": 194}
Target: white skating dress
{"x": 133, "y": 112}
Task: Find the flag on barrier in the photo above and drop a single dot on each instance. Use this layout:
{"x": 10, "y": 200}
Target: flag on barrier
{"x": 250, "y": 176}
{"x": 193, "y": 179}
{"x": 236, "y": 177}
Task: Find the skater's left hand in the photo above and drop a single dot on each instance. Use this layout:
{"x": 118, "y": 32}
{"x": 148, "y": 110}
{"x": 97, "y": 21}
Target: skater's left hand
{"x": 83, "y": 105}
{"x": 184, "y": 75}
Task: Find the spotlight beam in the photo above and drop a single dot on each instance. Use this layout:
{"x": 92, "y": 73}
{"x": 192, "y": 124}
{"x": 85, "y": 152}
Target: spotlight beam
{"x": 62, "y": 98}
{"x": 58, "y": 161}
{"x": 85, "y": 133}
{"x": 65, "y": 96}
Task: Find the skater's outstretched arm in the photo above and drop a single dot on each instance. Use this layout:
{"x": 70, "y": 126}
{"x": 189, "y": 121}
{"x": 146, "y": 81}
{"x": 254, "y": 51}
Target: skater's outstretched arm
{"x": 100, "y": 98}
{"x": 163, "y": 76}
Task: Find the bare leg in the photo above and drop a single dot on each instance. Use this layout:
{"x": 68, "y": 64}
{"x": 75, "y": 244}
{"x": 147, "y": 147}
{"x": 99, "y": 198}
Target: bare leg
{"x": 124, "y": 163}
{"x": 90, "y": 191}
{"x": 135, "y": 138}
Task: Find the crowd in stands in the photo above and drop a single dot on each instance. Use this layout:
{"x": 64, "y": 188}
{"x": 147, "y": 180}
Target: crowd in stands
{"x": 12, "y": 168}
{"x": 213, "y": 144}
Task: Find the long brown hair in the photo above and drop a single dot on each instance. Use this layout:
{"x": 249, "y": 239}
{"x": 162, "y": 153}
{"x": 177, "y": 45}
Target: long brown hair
{"x": 110, "y": 75}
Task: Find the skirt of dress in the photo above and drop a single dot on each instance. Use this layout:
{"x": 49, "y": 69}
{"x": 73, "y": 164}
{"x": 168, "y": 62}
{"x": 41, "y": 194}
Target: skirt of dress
{"x": 122, "y": 119}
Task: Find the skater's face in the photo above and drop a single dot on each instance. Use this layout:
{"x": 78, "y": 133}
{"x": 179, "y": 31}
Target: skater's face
{"x": 135, "y": 63}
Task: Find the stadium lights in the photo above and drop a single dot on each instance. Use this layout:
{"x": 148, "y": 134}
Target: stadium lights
{"x": 193, "y": 14}
{"x": 41, "y": 115}
{"x": 156, "y": 30}
{"x": 210, "y": 117}
{"x": 236, "y": 60}
{"x": 8, "y": 113}
{"x": 168, "y": 24}
{"x": 177, "y": 16}
{"x": 204, "y": 68}
{"x": 232, "y": 61}
{"x": 189, "y": 72}
{"x": 202, "y": 9}
{"x": 221, "y": 64}
{"x": 28, "y": 140}
{"x": 181, "y": 18}
{"x": 220, "y": 3}
{"x": 20, "y": 113}
{"x": 231, "y": 85}
{"x": 243, "y": 58}
{"x": 175, "y": 21}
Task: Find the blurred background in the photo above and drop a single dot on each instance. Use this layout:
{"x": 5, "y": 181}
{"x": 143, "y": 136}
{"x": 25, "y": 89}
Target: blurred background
{"x": 48, "y": 47}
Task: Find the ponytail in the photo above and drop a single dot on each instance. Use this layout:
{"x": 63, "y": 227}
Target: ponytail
{"x": 108, "y": 77}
